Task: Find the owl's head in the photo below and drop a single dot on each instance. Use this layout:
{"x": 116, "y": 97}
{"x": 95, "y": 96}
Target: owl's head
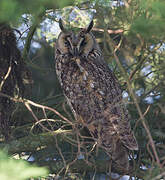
{"x": 76, "y": 44}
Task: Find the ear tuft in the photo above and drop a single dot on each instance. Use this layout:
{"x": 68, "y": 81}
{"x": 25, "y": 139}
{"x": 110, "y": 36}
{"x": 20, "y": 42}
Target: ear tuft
{"x": 61, "y": 25}
{"x": 89, "y": 27}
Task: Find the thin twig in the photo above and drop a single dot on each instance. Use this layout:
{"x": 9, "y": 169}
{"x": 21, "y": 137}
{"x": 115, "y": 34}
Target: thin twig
{"x": 144, "y": 114}
{"x": 162, "y": 175}
{"x": 35, "y": 117}
{"x": 26, "y": 101}
{"x": 149, "y": 151}
{"x": 138, "y": 109}
{"x": 6, "y": 76}
{"x": 130, "y": 89}
{"x": 110, "y": 31}
{"x": 31, "y": 33}
{"x": 137, "y": 68}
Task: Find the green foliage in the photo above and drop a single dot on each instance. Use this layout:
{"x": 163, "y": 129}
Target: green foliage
{"x": 154, "y": 173}
{"x": 151, "y": 20}
{"x": 11, "y": 168}
{"x": 11, "y": 10}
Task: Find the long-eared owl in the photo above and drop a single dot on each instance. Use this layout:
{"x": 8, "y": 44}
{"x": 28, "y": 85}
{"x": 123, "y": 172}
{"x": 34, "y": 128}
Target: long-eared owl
{"x": 93, "y": 92}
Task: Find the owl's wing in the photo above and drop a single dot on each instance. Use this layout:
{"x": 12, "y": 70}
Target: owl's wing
{"x": 117, "y": 112}
{"x": 120, "y": 123}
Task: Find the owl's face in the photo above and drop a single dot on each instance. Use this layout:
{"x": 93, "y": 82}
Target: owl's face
{"x": 75, "y": 44}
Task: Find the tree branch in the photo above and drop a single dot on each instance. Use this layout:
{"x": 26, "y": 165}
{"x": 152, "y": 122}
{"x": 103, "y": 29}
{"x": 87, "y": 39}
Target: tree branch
{"x": 110, "y": 31}
{"x": 27, "y": 103}
{"x": 130, "y": 89}
{"x": 31, "y": 32}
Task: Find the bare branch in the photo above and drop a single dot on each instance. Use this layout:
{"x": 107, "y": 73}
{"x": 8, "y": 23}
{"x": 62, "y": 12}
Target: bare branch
{"x": 130, "y": 89}
{"x": 27, "y": 103}
{"x": 6, "y": 76}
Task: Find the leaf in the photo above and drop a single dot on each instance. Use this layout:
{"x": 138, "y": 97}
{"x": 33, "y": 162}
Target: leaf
{"x": 18, "y": 169}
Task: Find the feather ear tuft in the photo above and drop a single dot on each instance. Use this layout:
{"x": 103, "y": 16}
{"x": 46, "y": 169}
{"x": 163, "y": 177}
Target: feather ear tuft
{"x": 89, "y": 27}
{"x": 61, "y": 25}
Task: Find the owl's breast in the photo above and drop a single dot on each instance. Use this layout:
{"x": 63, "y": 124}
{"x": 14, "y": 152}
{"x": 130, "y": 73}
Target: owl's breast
{"x": 89, "y": 87}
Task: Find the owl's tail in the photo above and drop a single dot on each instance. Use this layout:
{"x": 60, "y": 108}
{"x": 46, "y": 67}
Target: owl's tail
{"x": 119, "y": 157}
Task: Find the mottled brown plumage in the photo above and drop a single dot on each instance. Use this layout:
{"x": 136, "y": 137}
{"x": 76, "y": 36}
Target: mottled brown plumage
{"x": 93, "y": 93}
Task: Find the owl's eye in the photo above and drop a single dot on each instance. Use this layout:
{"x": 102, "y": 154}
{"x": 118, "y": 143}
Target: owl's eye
{"x": 82, "y": 35}
{"x": 66, "y": 42}
{"x": 83, "y": 42}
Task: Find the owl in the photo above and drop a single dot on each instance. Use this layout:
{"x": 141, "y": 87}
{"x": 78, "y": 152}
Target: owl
{"x": 93, "y": 93}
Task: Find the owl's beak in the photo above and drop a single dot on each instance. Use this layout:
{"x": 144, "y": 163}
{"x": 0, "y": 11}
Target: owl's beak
{"x": 76, "y": 51}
